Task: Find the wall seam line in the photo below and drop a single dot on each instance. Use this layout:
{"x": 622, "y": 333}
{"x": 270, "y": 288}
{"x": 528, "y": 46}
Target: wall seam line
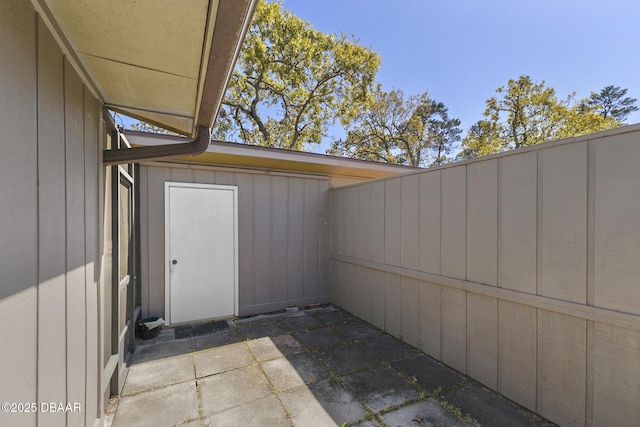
{"x": 37, "y": 193}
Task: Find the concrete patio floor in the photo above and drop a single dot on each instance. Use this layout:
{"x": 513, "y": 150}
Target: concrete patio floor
{"x": 320, "y": 367}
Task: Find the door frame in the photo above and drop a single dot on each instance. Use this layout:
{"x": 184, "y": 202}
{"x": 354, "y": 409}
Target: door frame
{"x": 167, "y": 244}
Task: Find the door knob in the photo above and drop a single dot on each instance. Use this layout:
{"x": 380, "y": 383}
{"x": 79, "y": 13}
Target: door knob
{"x": 174, "y": 262}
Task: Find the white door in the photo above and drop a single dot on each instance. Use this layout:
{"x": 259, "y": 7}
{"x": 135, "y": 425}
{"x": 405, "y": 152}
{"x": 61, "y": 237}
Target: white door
{"x": 201, "y": 251}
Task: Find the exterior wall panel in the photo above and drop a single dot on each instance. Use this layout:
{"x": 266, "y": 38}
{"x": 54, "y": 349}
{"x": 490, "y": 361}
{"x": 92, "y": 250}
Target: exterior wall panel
{"x": 454, "y": 328}
{"x": 18, "y": 210}
{"x": 430, "y": 319}
{"x": 76, "y": 320}
{"x": 482, "y": 225}
{"x": 518, "y": 222}
{"x": 52, "y": 371}
{"x": 50, "y": 222}
{"x": 409, "y": 225}
{"x": 517, "y": 353}
{"x": 429, "y": 221}
{"x": 616, "y": 376}
{"x": 617, "y": 223}
{"x": 482, "y": 339}
{"x": 411, "y": 311}
{"x": 562, "y": 368}
{"x": 564, "y": 222}
{"x": 453, "y": 222}
{"x": 246, "y": 285}
{"x": 392, "y": 236}
{"x": 377, "y": 221}
{"x": 283, "y": 235}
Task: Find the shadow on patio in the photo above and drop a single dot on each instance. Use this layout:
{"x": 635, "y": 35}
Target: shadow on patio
{"x": 320, "y": 367}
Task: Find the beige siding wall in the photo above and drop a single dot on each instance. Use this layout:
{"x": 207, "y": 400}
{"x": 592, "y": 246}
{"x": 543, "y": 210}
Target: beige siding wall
{"x": 283, "y": 235}
{"x": 51, "y": 202}
{"x": 524, "y": 275}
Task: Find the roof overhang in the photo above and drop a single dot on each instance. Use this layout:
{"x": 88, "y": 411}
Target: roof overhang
{"x": 229, "y": 154}
{"x": 165, "y": 62}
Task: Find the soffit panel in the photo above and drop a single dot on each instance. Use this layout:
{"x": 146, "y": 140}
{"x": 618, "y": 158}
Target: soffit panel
{"x": 144, "y": 55}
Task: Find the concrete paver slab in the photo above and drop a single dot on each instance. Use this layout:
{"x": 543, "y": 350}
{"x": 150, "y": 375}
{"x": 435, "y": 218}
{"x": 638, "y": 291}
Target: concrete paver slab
{"x": 162, "y": 350}
{"x": 357, "y": 331}
{"x": 267, "y": 348}
{"x": 287, "y": 344}
{"x": 425, "y": 413}
{"x": 332, "y": 316}
{"x": 232, "y": 388}
{"x": 381, "y": 388}
{"x": 165, "y": 335}
{"x": 308, "y": 367}
{"x": 216, "y": 360}
{"x": 167, "y": 406}
{"x": 489, "y": 408}
{"x": 282, "y": 375}
{"x": 300, "y": 321}
{"x": 317, "y": 338}
{"x": 322, "y": 404}
{"x": 260, "y": 328}
{"x": 216, "y": 339}
{"x": 158, "y": 373}
{"x": 263, "y": 412}
{"x": 429, "y": 373}
{"x": 388, "y": 348}
{"x": 346, "y": 358}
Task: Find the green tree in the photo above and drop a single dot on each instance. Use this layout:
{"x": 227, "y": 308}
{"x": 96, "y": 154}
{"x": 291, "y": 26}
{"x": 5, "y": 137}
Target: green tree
{"x": 413, "y": 130}
{"x": 528, "y": 113}
{"x": 611, "y": 102}
{"x": 292, "y": 81}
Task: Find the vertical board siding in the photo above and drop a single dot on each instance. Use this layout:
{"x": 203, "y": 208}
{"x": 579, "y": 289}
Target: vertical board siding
{"x": 279, "y": 236}
{"x": 311, "y": 241}
{"x": 562, "y": 368}
{"x": 482, "y": 224}
{"x": 324, "y": 287}
{"x": 283, "y": 236}
{"x": 617, "y": 224}
{"x": 52, "y": 371}
{"x": 411, "y": 311}
{"x": 377, "y": 221}
{"x": 154, "y": 221}
{"x": 262, "y": 240}
{"x": 518, "y": 222}
{"x": 482, "y": 339}
{"x": 517, "y": 353}
{"x": 454, "y": 328}
{"x": 564, "y": 222}
{"x": 393, "y": 304}
{"x": 295, "y": 240}
{"x": 453, "y": 223}
{"x": 91, "y": 119}
{"x": 246, "y": 285}
{"x": 18, "y": 210}
{"x": 616, "y": 376}
{"x": 430, "y": 319}
{"x": 409, "y": 224}
{"x": 76, "y": 316}
{"x": 429, "y": 221}
{"x": 50, "y": 187}
{"x": 364, "y": 222}
{"x": 526, "y": 276}
{"x": 392, "y": 236}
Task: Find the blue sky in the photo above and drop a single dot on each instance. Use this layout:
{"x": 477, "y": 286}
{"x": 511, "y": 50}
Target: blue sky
{"x": 461, "y": 51}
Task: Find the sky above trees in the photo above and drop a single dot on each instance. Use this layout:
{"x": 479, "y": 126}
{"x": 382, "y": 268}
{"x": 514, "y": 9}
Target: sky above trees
{"x": 460, "y": 52}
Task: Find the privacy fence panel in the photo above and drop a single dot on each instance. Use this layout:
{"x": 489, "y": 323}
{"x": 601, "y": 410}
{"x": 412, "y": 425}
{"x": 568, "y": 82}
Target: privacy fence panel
{"x": 521, "y": 270}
